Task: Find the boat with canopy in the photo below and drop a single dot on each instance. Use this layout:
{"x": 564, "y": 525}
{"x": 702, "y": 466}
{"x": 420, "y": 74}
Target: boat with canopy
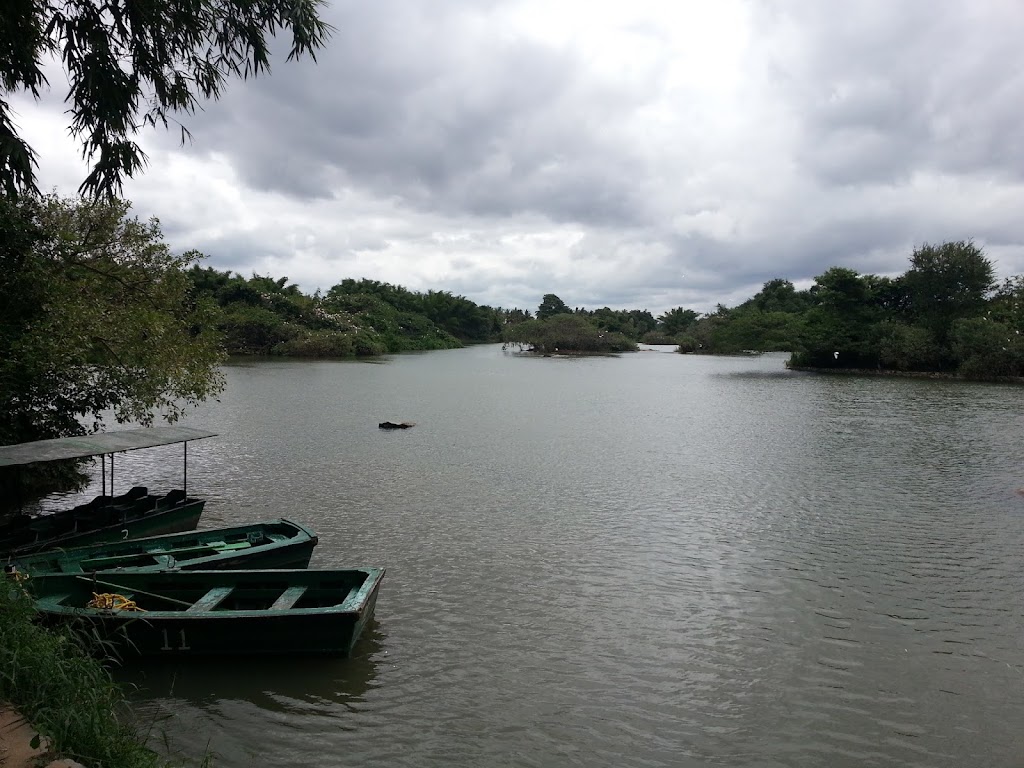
{"x": 107, "y": 517}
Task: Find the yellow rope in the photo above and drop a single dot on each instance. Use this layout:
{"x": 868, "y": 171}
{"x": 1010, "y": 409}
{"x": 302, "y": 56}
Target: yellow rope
{"x": 19, "y": 577}
{"x": 113, "y": 602}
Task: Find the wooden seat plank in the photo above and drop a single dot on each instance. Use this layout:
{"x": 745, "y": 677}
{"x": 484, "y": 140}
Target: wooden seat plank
{"x": 210, "y": 600}
{"x": 288, "y": 598}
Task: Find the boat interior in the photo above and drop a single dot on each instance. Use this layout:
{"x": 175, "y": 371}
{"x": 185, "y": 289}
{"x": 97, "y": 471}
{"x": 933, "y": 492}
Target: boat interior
{"x": 270, "y": 594}
{"x": 168, "y": 552}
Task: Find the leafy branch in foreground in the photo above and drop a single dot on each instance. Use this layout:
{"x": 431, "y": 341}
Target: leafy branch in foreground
{"x": 131, "y": 64}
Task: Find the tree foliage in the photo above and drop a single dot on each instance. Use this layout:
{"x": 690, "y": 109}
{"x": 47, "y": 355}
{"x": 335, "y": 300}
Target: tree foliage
{"x": 132, "y": 64}
{"x": 95, "y": 320}
{"x": 844, "y": 320}
{"x": 781, "y": 296}
{"x": 944, "y": 314}
{"x": 677, "y": 321}
{"x": 567, "y": 333}
{"x": 550, "y": 306}
{"x": 261, "y": 315}
{"x": 946, "y": 283}
{"x": 95, "y": 317}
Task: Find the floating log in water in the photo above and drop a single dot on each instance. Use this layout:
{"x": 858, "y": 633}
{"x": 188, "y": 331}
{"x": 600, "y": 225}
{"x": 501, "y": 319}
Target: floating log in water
{"x": 396, "y": 424}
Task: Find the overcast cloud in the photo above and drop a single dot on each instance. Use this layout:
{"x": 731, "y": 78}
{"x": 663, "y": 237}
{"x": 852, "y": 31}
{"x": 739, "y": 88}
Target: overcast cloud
{"x": 642, "y": 154}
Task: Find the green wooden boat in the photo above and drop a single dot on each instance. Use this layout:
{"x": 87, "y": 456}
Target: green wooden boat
{"x": 270, "y": 544}
{"x": 133, "y": 515}
{"x": 107, "y": 517}
{"x": 193, "y": 613}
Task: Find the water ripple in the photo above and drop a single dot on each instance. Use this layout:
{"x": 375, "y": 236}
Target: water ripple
{"x": 654, "y": 560}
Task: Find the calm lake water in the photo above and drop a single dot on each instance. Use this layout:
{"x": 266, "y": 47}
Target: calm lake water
{"x": 649, "y": 560}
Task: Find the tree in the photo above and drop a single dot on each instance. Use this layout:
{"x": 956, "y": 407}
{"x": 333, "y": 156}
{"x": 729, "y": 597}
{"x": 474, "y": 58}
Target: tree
{"x": 841, "y": 290}
{"x": 550, "y": 306}
{"x": 946, "y": 283}
{"x": 677, "y": 320}
{"x": 516, "y": 315}
{"x": 126, "y": 57}
{"x": 842, "y": 330}
{"x": 781, "y": 296}
{"x": 96, "y": 316}
{"x": 640, "y": 322}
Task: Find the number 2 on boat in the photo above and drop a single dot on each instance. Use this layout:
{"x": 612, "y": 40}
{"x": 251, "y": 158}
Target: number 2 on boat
{"x": 167, "y": 643}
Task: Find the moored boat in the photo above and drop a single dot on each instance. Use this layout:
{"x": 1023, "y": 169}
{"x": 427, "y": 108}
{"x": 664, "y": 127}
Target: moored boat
{"x": 134, "y": 514}
{"x": 144, "y": 514}
{"x": 277, "y": 543}
{"x": 192, "y": 613}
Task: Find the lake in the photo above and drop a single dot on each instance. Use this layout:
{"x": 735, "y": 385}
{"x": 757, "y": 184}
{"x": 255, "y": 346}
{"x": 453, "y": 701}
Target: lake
{"x": 644, "y": 560}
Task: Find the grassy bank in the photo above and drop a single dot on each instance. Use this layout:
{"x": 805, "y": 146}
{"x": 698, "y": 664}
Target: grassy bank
{"x": 64, "y": 692}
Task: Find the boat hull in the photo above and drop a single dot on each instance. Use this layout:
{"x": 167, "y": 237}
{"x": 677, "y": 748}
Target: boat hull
{"x": 268, "y": 544}
{"x": 273, "y": 635}
{"x": 218, "y": 613}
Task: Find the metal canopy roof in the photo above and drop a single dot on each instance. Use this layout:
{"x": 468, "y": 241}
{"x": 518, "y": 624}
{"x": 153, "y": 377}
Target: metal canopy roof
{"x": 95, "y": 445}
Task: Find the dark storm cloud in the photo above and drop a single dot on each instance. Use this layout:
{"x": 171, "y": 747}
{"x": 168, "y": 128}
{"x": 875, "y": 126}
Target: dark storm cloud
{"x": 449, "y": 114}
{"x": 463, "y": 146}
{"x": 435, "y": 107}
{"x": 239, "y": 253}
{"x": 886, "y": 90}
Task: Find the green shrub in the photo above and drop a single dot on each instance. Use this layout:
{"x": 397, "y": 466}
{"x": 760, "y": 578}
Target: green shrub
{"x": 984, "y": 348}
{"x": 687, "y": 345}
{"x": 910, "y": 348}
{"x": 567, "y": 333}
{"x": 67, "y": 695}
{"x": 318, "y": 344}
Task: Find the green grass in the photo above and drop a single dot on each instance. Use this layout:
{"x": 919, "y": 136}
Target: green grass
{"x": 55, "y": 680}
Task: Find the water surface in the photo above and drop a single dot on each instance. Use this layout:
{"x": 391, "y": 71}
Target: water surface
{"x": 645, "y": 560}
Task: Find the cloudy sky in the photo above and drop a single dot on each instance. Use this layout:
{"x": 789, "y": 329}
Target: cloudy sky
{"x": 641, "y": 154}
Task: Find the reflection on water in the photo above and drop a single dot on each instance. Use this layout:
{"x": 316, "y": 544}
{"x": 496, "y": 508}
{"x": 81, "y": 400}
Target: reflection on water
{"x": 215, "y": 706}
{"x": 273, "y": 683}
{"x": 644, "y": 560}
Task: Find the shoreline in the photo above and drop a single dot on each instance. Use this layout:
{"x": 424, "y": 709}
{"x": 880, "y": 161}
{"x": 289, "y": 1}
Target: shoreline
{"x": 16, "y": 737}
{"x": 938, "y": 375}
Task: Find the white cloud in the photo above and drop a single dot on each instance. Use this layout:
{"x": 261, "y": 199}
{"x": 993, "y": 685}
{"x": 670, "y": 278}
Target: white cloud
{"x": 637, "y": 155}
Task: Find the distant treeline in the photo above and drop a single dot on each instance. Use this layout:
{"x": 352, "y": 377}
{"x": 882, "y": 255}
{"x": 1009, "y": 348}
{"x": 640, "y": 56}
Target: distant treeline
{"x": 268, "y": 316}
{"x": 945, "y": 314}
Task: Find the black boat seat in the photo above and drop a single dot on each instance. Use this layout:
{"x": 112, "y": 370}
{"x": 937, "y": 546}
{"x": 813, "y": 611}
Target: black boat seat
{"x": 173, "y": 498}
{"x": 98, "y": 502}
